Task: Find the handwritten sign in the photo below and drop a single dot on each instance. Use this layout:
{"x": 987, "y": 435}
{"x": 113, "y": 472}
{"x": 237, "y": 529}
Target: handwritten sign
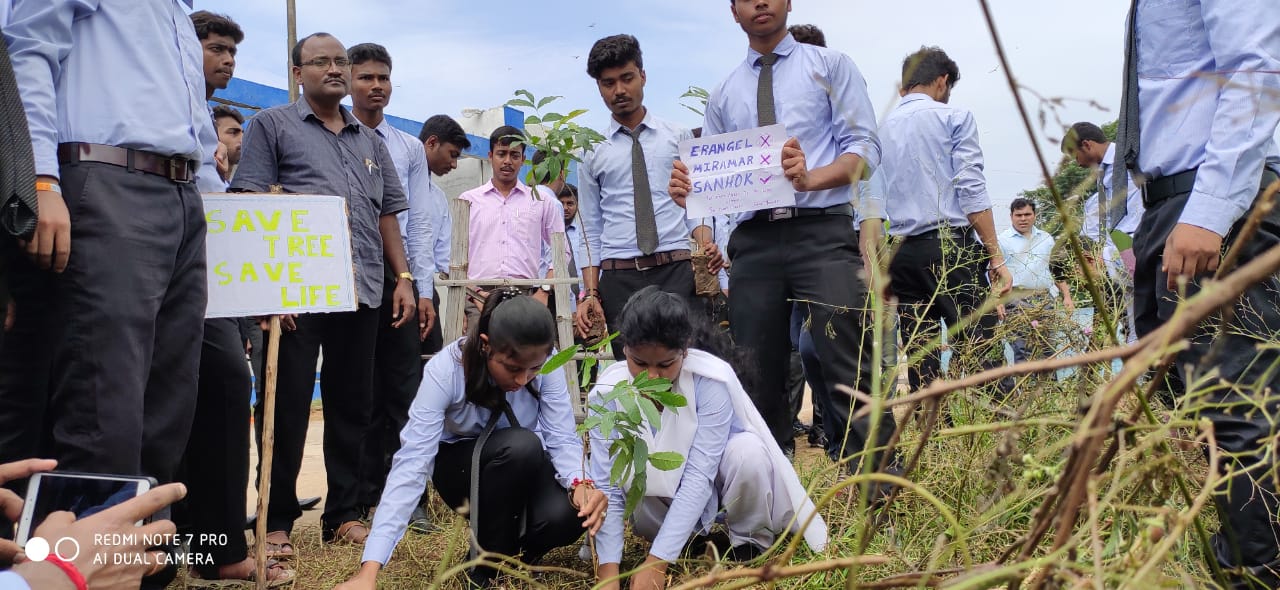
{"x": 270, "y": 254}
{"x": 736, "y": 172}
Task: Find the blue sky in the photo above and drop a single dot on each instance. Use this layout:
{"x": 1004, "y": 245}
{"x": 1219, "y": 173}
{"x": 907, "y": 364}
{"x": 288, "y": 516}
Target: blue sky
{"x": 455, "y": 55}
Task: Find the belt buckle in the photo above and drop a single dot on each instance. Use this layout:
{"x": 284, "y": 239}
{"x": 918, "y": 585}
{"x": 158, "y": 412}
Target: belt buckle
{"x": 636, "y": 262}
{"x": 781, "y": 213}
{"x": 177, "y": 165}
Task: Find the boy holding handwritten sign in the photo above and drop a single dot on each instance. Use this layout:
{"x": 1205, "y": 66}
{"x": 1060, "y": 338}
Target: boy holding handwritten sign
{"x": 636, "y": 236}
{"x": 808, "y": 251}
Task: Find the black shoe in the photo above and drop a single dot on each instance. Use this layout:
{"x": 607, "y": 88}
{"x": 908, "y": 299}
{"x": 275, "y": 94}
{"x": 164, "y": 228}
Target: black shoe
{"x": 420, "y": 522}
{"x": 798, "y": 428}
{"x": 817, "y": 438}
{"x": 743, "y": 553}
{"x": 479, "y": 578}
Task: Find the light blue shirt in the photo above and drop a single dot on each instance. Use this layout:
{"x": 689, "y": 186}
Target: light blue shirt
{"x": 932, "y": 166}
{"x": 13, "y": 581}
{"x": 1028, "y": 258}
{"x": 688, "y": 511}
{"x": 441, "y": 413}
{"x": 821, "y": 98}
{"x": 1209, "y": 82}
{"x": 128, "y": 74}
{"x": 606, "y": 192}
{"x": 441, "y": 224}
{"x": 410, "y": 160}
{"x": 1129, "y": 224}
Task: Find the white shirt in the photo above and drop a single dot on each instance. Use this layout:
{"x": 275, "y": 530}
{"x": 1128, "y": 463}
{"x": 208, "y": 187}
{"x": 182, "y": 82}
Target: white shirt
{"x": 1028, "y": 258}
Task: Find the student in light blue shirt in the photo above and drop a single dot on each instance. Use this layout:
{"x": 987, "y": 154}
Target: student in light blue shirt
{"x": 483, "y": 402}
{"x": 1206, "y": 78}
{"x": 938, "y": 207}
{"x": 636, "y": 235}
{"x": 443, "y": 140}
{"x": 808, "y": 252}
{"x": 730, "y": 463}
{"x": 1028, "y": 250}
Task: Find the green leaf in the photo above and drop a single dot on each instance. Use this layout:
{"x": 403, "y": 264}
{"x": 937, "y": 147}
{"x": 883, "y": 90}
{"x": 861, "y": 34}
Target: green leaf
{"x": 640, "y": 455}
{"x": 617, "y": 473}
{"x": 669, "y": 399}
{"x": 548, "y": 100}
{"x": 666, "y": 460}
{"x": 604, "y": 343}
{"x": 559, "y": 360}
{"x": 526, "y": 94}
{"x": 516, "y": 102}
{"x": 607, "y": 424}
{"x": 588, "y": 364}
{"x": 552, "y": 117}
{"x": 631, "y": 408}
{"x": 655, "y": 386}
{"x": 532, "y": 120}
{"x": 635, "y": 494}
{"x": 574, "y": 114}
{"x": 650, "y": 412}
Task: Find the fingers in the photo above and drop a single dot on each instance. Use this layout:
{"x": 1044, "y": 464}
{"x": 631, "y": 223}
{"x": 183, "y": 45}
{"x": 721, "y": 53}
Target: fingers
{"x": 10, "y": 505}
{"x": 288, "y": 322}
{"x": 23, "y": 469}
{"x": 8, "y": 552}
{"x": 147, "y": 504}
{"x": 160, "y": 529}
{"x": 61, "y": 248}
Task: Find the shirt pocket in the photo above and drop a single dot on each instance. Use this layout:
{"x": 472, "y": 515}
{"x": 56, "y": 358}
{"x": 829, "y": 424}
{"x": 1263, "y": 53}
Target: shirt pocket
{"x": 1171, "y": 37}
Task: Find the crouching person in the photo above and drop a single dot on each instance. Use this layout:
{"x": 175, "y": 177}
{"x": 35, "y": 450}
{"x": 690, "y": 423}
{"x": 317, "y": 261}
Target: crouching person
{"x": 494, "y": 436}
{"x": 731, "y": 462}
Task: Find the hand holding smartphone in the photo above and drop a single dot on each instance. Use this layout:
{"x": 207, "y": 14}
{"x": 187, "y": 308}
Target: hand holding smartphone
{"x": 82, "y": 494}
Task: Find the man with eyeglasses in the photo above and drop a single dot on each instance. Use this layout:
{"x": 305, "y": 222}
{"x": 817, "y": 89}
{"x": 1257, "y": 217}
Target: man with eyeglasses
{"x": 316, "y": 146}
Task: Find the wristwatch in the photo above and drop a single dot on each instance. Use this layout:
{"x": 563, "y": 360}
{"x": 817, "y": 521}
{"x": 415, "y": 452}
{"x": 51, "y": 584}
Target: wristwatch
{"x": 405, "y": 275}
{"x": 546, "y": 288}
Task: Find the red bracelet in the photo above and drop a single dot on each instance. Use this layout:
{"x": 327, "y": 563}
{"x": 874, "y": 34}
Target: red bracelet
{"x": 70, "y": 569}
{"x": 582, "y": 482}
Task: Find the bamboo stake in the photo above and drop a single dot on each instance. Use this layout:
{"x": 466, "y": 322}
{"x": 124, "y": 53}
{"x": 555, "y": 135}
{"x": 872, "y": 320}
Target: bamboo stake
{"x": 268, "y": 448}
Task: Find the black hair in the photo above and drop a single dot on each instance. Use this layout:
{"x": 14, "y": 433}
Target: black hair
{"x": 512, "y": 321}
{"x": 295, "y": 54}
{"x": 223, "y": 110}
{"x": 1080, "y": 133}
{"x": 446, "y": 130}
{"x": 207, "y": 23}
{"x": 613, "y": 52}
{"x": 503, "y": 136}
{"x": 538, "y": 157}
{"x": 654, "y": 316}
{"x": 369, "y": 52}
{"x": 1021, "y": 203}
{"x": 808, "y": 34}
{"x": 569, "y": 190}
{"x": 923, "y": 67}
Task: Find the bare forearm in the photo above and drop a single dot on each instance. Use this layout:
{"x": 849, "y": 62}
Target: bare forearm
{"x": 846, "y": 170}
{"x": 985, "y": 224}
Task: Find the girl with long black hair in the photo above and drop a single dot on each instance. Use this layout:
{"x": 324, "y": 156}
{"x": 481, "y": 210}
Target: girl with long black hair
{"x": 494, "y": 436}
{"x": 732, "y": 465}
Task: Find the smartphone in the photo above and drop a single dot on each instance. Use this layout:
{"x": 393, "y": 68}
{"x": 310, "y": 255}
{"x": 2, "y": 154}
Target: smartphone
{"x": 82, "y": 494}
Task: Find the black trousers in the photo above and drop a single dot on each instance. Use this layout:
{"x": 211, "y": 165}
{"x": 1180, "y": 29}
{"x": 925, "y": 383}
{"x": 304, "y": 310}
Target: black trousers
{"x": 100, "y": 369}
{"x": 617, "y": 286}
{"x": 942, "y": 279}
{"x": 397, "y": 362}
{"x": 1246, "y": 367}
{"x": 346, "y": 383}
{"x": 216, "y": 464}
{"x": 814, "y": 260}
{"x": 516, "y": 479}
{"x": 435, "y": 336}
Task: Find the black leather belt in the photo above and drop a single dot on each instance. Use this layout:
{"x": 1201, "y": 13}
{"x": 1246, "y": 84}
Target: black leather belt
{"x": 175, "y": 168}
{"x": 1167, "y": 187}
{"x": 646, "y": 262}
{"x": 783, "y": 213}
{"x": 937, "y": 233}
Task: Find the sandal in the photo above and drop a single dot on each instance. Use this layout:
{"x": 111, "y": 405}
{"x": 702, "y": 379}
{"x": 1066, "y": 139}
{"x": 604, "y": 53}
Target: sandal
{"x": 277, "y": 575}
{"x": 278, "y": 545}
{"x": 352, "y": 532}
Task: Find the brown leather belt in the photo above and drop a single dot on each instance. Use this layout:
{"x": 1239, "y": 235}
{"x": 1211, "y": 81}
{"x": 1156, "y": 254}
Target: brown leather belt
{"x": 646, "y": 262}
{"x": 175, "y": 168}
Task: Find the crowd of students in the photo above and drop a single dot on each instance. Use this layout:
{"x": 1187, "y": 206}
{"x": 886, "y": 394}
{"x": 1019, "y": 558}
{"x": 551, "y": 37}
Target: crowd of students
{"x": 105, "y": 263}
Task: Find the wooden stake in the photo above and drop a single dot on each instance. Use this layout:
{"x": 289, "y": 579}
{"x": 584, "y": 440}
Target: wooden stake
{"x": 268, "y": 448}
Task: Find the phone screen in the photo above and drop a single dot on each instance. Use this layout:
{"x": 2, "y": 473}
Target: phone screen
{"x": 80, "y": 495}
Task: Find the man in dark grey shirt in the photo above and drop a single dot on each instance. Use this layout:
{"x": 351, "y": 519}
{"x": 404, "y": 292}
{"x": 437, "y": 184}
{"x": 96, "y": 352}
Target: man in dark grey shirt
{"x": 315, "y": 146}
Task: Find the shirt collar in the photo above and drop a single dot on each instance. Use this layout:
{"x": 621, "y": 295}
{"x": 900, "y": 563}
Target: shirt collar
{"x": 1109, "y": 158}
{"x": 913, "y": 97}
{"x": 384, "y": 129}
{"x": 305, "y": 112}
{"x": 784, "y": 49}
{"x": 520, "y": 188}
{"x": 646, "y": 122}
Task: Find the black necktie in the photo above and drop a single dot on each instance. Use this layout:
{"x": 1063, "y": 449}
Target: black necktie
{"x": 765, "y": 112}
{"x": 646, "y": 223}
{"x": 1128, "y": 131}
{"x": 17, "y": 164}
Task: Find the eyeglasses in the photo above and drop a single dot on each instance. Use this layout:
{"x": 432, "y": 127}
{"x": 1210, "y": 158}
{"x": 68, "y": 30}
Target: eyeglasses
{"x": 326, "y": 62}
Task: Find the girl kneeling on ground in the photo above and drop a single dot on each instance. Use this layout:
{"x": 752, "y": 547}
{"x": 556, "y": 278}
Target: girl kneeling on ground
{"x": 731, "y": 463}
{"x": 482, "y": 403}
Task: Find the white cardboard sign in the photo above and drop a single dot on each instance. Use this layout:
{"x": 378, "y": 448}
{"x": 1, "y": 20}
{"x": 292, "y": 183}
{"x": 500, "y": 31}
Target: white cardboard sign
{"x": 737, "y": 172}
{"x": 278, "y": 253}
